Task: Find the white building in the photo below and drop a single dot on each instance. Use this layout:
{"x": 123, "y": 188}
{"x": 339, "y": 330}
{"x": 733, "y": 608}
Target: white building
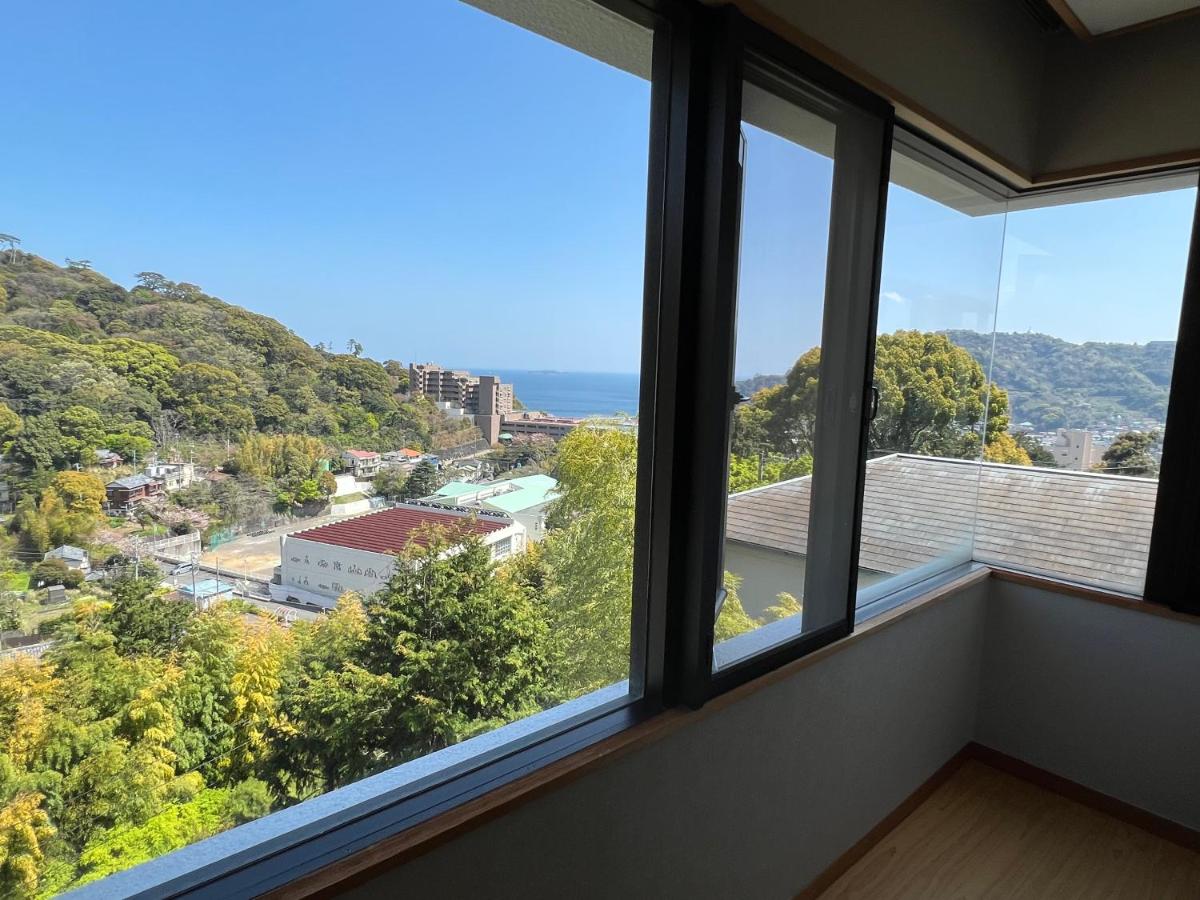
{"x": 358, "y": 554}
{"x": 174, "y": 476}
{"x": 361, "y": 463}
{"x": 1072, "y": 449}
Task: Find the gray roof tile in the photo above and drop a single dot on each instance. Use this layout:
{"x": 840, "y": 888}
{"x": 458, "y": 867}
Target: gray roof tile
{"x": 1080, "y": 526}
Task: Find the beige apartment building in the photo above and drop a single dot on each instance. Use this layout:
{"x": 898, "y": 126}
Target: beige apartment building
{"x": 484, "y": 397}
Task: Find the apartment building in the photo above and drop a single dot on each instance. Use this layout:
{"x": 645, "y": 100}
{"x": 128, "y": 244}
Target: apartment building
{"x": 483, "y": 397}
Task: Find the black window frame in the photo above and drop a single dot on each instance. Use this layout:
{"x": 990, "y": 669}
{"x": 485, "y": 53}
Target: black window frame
{"x": 740, "y": 50}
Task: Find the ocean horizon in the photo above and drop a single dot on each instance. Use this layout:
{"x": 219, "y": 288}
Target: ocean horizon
{"x": 570, "y": 394}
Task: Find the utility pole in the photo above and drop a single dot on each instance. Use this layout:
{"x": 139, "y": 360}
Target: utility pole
{"x": 195, "y": 596}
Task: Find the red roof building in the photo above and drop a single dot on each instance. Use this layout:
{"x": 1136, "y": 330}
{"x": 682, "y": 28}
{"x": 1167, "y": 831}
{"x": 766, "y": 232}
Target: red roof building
{"x": 358, "y": 554}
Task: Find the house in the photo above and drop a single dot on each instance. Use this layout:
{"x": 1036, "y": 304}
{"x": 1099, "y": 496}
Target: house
{"x": 919, "y": 511}
{"x": 358, "y": 554}
{"x": 106, "y": 459}
{"x": 75, "y": 557}
{"x": 6, "y": 500}
{"x": 125, "y": 493}
{"x": 174, "y": 476}
{"x": 404, "y": 459}
{"x": 361, "y": 463}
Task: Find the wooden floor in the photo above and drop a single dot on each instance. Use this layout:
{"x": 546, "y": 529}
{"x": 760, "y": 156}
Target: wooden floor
{"x": 984, "y": 833}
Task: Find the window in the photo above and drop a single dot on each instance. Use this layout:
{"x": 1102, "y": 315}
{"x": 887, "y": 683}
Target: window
{"x": 744, "y": 412}
{"x": 1084, "y": 347}
{"x": 942, "y": 252}
{"x": 1021, "y": 395}
{"x": 786, "y": 162}
{"x": 349, "y": 194}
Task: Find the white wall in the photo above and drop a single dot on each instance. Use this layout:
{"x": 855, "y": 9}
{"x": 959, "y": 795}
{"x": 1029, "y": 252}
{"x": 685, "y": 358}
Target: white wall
{"x": 1104, "y": 696}
{"x": 753, "y": 800}
{"x": 329, "y": 570}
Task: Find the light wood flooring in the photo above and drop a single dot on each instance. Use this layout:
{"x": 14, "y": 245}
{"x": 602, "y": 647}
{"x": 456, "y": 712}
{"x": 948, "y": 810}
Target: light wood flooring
{"x": 985, "y": 833}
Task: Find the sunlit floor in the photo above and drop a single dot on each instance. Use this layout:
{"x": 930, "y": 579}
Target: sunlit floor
{"x": 984, "y": 833}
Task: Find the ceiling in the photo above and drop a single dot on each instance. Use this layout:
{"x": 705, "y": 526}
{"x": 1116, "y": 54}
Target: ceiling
{"x": 1097, "y": 18}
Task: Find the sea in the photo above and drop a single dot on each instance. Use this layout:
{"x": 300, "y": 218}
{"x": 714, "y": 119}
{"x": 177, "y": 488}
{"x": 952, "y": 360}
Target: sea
{"x": 571, "y": 394}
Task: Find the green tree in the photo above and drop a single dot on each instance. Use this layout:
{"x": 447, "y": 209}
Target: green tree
{"x": 932, "y": 398}
{"x": 442, "y": 652}
{"x": 142, "y": 619}
{"x": 10, "y": 424}
{"x": 588, "y": 553}
{"x": 1129, "y": 454}
{"x": 1036, "y": 450}
{"x": 391, "y": 482}
{"x": 422, "y": 481}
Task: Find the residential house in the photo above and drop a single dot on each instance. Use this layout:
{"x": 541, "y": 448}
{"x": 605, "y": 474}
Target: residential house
{"x": 75, "y": 557}
{"x": 106, "y": 459}
{"x": 174, "y": 476}
{"x": 361, "y": 463}
{"x": 125, "y": 493}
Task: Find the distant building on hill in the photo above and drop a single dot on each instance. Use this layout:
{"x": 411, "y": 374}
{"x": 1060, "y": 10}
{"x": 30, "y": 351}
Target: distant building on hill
{"x": 106, "y": 459}
{"x": 361, "y": 463}
{"x": 1072, "y": 449}
{"x": 75, "y": 557}
{"x": 483, "y": 397}
{"x": 174, "y": 476}
{"x": 124, "y": 494}
{"x": 358, "y": 554}
{"x": 535, "y": 423}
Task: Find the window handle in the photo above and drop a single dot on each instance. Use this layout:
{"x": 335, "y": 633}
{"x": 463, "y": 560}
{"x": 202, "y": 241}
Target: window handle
{"x": 736, "y": 397}
{"x": 874, "y": 402}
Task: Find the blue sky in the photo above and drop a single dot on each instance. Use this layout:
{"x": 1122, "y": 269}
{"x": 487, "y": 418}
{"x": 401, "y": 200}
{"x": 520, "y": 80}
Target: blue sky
{"x": 441, "y": 185}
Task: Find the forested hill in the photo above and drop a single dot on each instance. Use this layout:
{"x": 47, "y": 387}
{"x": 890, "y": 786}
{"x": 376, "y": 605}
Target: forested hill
{"x": 167, "y": 356}
{"x": 1053, "y": 383}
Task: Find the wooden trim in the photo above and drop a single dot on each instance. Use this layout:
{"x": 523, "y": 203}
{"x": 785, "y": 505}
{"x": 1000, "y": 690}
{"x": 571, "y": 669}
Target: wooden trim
{"x": 886, "y": 825}
{"x": 908, "y": 110}
{"x": 1166, "y": 829}
{"x": 1109, "y": 598}
{"x": 412, "y": 842}
{"x": 1141, "y": 165}
{"x": 1072, "y": 21}
{"x": 400, "y": 848}
{"x": 1149, "y": 23}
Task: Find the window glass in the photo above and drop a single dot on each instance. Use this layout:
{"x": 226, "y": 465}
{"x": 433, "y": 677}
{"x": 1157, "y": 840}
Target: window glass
{"x": 787, "y": 177}
{"x": 941, "y": 262}
{"x": 1085, "y": 341}
{"x": 320, "y": 341}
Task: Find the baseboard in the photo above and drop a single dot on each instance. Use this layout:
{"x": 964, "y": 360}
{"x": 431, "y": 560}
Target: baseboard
{"x": 843, "y": 863}
{"x": 1072, "y": 790}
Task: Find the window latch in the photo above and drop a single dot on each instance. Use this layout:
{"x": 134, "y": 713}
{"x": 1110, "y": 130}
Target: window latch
{"x": 874, "y": 402}
{"x": 736, "y": 397}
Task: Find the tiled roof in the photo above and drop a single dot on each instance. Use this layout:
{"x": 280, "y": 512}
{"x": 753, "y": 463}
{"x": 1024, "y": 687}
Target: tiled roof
{"x": 129, "y": 482}
{"x": 391, "y": 530}
{"x": 363, "y": 454}
{"x": 1075, "y": 525}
